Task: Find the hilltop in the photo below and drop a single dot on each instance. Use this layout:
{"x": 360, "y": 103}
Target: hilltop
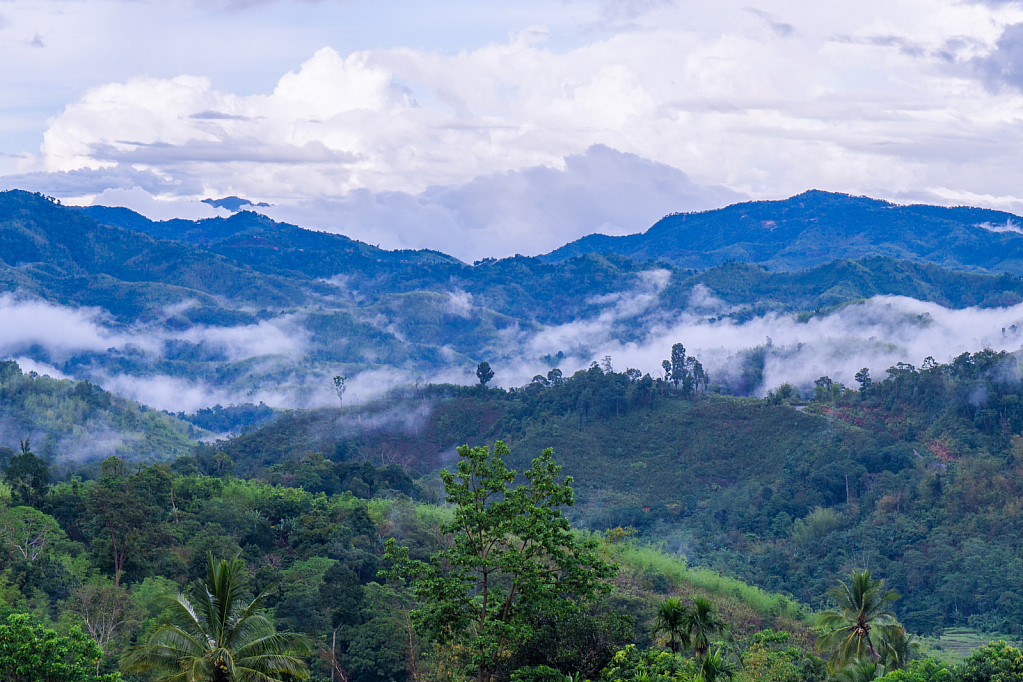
{"x": 816, "y": 227}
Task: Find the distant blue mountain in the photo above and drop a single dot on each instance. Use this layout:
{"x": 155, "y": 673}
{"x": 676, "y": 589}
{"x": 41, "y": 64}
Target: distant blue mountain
{"x": 817, "y": 227}
{"x": 233, "y": 203}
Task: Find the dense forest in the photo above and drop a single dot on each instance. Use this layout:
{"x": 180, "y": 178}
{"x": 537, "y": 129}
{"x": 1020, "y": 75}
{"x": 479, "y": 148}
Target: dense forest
{"x": 346, "y": 526}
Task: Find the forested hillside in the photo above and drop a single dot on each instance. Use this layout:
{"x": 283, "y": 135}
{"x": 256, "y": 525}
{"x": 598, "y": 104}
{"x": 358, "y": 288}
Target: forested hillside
{"x": 816, "y": 227}
{"x": 914, "y": 476}
{"x": 68, "y": 421}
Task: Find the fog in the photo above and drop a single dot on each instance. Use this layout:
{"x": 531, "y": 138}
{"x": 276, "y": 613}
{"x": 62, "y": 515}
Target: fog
{"x": 272, "y": 361}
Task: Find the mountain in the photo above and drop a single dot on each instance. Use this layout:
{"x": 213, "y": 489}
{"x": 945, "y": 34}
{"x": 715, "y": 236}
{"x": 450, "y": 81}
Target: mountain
{"x": 816, "y": 227}
{"x": 333, "y": 305}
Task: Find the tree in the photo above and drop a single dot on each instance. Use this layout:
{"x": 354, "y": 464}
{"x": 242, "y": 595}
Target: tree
{"x": 678, "y": 364}
{"x": 107, "y": 612}
{"x": 715, "y": 667}
{"x": 859, "y": 670}
{"x": 129, "y": 510}
{"x": 220, "y": 637}
{"x": 340, "y": 387}
{"x": 863, "y": 379}
{"x": 897, "y": 649}
{"x": 672, "y": 618}
{"x": 702, "y": 623}
{"x": 28, "y": 531}
{"x": 32, "y": 653}
{"x": 484, "y": 373}
{"x": 28, "y": 476}
{"x": 512, "y": 556}
{"x": 861, "y": 607}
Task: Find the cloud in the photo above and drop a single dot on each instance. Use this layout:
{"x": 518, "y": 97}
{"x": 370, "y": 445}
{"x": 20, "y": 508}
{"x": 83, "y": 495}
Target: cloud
{"x": 36, "y": 41}
{"x": 781, "y": 29}
{"x": 1003, "y": 66}
{"x": 530, "y": 211}
{"x": 141, "y": 201}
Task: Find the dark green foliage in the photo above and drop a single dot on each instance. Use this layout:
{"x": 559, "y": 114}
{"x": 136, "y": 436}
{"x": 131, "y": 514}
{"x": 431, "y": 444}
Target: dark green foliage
{"x": 575, "y": 643}
{"x": 28, "y": 477}
{"x": 233, "y": 418}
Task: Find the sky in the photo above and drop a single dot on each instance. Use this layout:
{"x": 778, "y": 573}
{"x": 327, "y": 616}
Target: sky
{"x": 493, "y": 128}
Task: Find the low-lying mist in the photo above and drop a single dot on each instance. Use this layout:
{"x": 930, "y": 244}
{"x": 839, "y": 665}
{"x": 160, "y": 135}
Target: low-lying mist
{"x": 277, "y": 361}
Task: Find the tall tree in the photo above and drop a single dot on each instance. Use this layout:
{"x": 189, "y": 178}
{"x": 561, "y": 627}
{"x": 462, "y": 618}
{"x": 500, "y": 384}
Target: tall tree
{"x": 678, "y": 364}
{"x": 107, "y": 611}
{"x": 702, "y": 623}
{"x": 130, "y": 510}
{"x": 512, "y": 556}
{"x": 28, "y": 476}
{"x": 859, "y": 622}
{"x": 672, "y": 617}
{"x": 484, "y": 373}
{"x": 220, "y": 637}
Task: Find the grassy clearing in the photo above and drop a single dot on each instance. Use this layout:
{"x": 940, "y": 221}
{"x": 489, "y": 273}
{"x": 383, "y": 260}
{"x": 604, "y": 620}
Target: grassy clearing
{"x": 955, "y": 644}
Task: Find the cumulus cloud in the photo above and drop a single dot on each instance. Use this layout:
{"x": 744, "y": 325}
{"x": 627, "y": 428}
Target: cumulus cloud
{"x": 861, "y": 101}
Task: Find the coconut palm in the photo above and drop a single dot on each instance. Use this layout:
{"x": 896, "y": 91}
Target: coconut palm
{"x": 716, "y": 667}
{"x": 860, "y": 670}
{"x": 897, "y": 649}
{"x": 220, "y": 638}
{"x": 860, "y": 621}
{"x": 701, "y": 624}
{"x": 672, "y": 617}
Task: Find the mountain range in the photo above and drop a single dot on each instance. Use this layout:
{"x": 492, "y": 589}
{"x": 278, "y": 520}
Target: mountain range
{"x": 246, "y": 308}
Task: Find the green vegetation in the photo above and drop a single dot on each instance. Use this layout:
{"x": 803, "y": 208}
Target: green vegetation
{"x": 78, "y": 420}
{"x": 916, "y": 477}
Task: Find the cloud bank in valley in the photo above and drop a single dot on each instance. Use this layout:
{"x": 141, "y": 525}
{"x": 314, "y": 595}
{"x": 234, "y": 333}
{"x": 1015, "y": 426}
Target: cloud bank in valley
{"x": 274, "y": 364}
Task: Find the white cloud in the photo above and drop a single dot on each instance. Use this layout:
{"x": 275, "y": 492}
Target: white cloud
{"x": 882, "y": 99}
{"x": 141, "y": 201}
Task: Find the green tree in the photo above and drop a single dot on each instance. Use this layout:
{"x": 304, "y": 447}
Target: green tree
{"x": 995, "y": 662}
{"x": 859, "y": 670}
{"x": 484, "y": 373}
{"x": 716, "y": 666}
{"x": 861, "y": 608}
{"x": 678, "y": 364}
{"x": 219, "y": 638}
{"x": 28, "y": 532}
{"x": 863, "y": 379}
{"x": 28, "y": 476}
{"x": 512, "y": 556}
{"x": 32, "y": 653}
{"x": 672, "y": 620}
{"x": 702, "y": 623}
{"x": 129, "y": 510}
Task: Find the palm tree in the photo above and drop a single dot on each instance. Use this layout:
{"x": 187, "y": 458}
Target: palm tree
{"x": 860, "y": 670}
{"x": 897, "y": 649}
{"x": 861, "y": 607}
{"x": 715, "y": 666}
{"x": 701, "y": 624}
{"x": 672, "y": 617}
{"x": 221, "y": 638}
